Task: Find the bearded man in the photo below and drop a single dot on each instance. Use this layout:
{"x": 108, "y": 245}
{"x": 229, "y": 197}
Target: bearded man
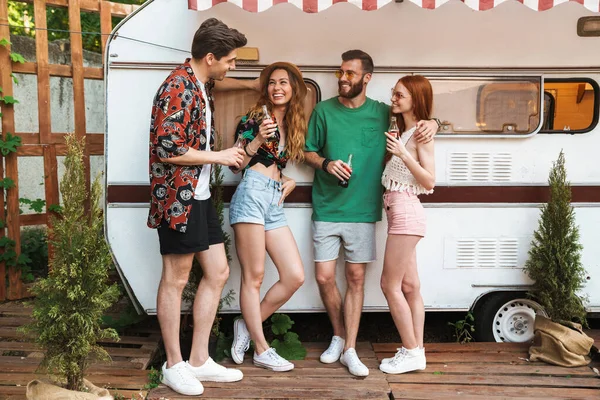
{"x": 350, "y": 123}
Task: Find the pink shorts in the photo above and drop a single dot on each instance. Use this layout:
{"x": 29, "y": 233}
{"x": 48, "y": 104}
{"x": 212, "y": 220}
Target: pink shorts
{"x": 405, "y": 213}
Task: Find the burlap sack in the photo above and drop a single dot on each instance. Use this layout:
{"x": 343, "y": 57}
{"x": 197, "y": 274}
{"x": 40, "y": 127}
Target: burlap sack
{"x": 38, "y": 390}
{"x": 563, "y": 344}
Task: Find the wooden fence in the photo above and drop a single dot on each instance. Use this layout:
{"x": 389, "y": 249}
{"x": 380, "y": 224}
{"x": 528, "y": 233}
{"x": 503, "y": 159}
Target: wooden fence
{"x": 46, "y": 143}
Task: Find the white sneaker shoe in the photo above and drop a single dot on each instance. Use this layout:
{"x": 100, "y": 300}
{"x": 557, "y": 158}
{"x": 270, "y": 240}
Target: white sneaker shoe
{"x": 212, "y": 372}
{"x": 387, "y": 360}
{"x": 241, "y": 341}
{"x": 273, "y": 361}
{"x": 350, "y": 359}
{"x": 180, "y": 379}
{"x": 334, "y": 351}
{"x": 405, "y": 361}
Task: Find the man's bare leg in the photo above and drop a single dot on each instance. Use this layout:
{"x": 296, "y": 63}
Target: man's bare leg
{"x": 353, "y": 302}
{"x": 215, "y": 272}
{"x": 330, "y": 295}
{"x": 176, "y": 269}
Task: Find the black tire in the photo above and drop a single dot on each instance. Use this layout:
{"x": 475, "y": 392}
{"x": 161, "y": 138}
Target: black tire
{"x": 485, "y": 311}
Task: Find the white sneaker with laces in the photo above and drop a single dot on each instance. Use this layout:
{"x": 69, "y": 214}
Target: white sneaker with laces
{"x": 350, "y": 359}
{"x": 271, "y": 360}
{"x": 387, "y": 360}
{"x": 405, "y": 361}
{"x": 334, "y": 351}
{"x": 241, "y": 341}
{"x": 212, "y": 372}
{"x": 180, "y": 379}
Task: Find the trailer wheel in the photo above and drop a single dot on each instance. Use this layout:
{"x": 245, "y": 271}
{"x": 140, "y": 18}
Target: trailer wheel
{"x": 506, "y": 317}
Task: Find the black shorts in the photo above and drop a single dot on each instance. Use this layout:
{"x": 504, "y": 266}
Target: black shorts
{"x": 203, "y": 230}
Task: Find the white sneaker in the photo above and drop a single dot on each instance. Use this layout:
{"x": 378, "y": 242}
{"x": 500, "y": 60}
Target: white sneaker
{"x": 180, "y": 379}
{"x": 241, "y": 341}
{"x": 405, "y": 361}
{"x": 350, "y": 359}
{"x": 213, "y": 372}
{"x": 273, "y": 361}
{"x": 387, "y": 360}
{"x": 334, "y": 351}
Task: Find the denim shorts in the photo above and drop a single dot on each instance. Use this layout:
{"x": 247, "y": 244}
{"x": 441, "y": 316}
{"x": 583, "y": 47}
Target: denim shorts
{"x": 255, "y": 202}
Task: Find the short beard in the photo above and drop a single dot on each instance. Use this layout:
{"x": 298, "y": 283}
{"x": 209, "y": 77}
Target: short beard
{"x": 355, "y": 90}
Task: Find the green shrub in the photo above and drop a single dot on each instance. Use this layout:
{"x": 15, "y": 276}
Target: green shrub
{"x": 69, "y": 304}
{"x": 34, "y": 244}
{"x": 554, "y": 262}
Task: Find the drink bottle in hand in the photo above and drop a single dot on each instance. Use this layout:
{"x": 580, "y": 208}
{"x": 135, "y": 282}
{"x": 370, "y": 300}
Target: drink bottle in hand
{"x": 393, "y": 129}
{"x": 267, "y": 116}
{"x": 344, "y": 182}
{"x": 239, "y": 144}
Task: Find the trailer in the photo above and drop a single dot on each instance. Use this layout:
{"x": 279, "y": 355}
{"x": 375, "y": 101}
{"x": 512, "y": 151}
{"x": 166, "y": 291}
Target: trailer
{"x": 513, "y": 86}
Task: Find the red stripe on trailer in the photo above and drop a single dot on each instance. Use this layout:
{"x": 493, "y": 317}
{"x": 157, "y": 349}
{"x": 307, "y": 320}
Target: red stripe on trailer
{"x": 310, "y": 6}
{"x": 486, "y": 5}
{"x": 313, "y": 6}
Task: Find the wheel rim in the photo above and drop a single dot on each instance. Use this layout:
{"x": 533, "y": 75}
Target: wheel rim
{"x": 514, "y": 321}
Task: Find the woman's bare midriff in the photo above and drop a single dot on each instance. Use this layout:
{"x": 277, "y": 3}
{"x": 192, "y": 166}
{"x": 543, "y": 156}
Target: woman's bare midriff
{"x": 271, "y": 172}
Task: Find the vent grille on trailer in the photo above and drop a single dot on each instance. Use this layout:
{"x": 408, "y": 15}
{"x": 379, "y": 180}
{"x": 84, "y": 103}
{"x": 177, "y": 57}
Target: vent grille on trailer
{"x": 480, "y": 167}
{"x": 487, "y": 253}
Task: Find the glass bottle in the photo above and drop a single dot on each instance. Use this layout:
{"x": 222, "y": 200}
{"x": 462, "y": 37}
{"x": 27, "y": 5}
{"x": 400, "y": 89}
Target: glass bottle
{"x": 393, "y": 129}
{"x": 344, "y": 182}
{"x": 266, "y": 115}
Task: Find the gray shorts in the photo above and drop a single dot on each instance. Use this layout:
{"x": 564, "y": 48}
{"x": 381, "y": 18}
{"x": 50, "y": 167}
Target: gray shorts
{"x": 358, "y": 239}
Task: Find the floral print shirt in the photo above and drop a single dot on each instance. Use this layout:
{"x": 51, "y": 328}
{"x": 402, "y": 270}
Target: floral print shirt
{"x": 269, "y": 152}
{"x": 178, "y": 123}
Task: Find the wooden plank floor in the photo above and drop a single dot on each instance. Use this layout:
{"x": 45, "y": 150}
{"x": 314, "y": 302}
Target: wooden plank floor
{"x": 310, "y": 379}
{"x": 472, "y": 371}
{"x": 20, "y": 358}
{"x": 454, "y": 371}
{"x": 488, "y": 371}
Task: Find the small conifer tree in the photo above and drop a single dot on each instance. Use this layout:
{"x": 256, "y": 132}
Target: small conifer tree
{"x": 554, "y": 262}
{"x": 69, "y": 303}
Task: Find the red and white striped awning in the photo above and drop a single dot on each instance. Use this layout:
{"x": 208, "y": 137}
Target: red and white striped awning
{"x": 313, "y": 6}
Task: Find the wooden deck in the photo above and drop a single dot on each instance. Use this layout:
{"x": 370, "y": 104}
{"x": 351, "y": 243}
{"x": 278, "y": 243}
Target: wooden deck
{"x": 472, "y": 371}
{"x": 454, "y": 372}
{"x": 20, "y": 358}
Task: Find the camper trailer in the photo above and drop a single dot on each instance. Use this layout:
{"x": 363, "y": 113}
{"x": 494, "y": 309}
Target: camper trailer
{"x": 513, "y": 86}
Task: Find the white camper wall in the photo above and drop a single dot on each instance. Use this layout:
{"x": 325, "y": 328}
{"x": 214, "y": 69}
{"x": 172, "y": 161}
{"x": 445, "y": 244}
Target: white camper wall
{"x": 402, "y": 38}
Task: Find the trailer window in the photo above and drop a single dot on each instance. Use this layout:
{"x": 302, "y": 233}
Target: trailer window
{"x": 485, "y": 106}
{"x": 232, "y": 105}
{"x": 570, "y": 106}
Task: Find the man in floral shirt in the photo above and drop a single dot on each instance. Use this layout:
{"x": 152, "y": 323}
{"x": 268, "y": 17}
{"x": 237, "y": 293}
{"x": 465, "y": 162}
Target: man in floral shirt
{"x": 182, "y": 136}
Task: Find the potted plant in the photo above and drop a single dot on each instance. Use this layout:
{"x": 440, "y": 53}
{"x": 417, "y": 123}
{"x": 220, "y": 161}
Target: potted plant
{"x": 558, "y": 276}
{"x": 554, "y": 262}
{"x": 70, "y": 302}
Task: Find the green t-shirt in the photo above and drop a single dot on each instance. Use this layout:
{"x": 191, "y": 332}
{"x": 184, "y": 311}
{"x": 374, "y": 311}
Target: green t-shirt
{"x": 334, "y": 132}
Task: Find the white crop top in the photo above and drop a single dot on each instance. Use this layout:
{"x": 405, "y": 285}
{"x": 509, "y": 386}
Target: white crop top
{"x": 396, "y": 175}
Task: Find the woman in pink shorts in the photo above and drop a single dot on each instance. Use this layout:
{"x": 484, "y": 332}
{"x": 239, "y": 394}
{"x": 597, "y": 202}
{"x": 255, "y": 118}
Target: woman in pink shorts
{"x": 409, "y": 172}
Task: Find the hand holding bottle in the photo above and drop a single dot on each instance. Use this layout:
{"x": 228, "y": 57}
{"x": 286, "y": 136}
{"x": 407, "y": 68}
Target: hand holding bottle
{"x": 348, "y": 167}
{"x": 393, "y": 129}
{"x": 267, "y": 128}
{"x": 395, "y": 145}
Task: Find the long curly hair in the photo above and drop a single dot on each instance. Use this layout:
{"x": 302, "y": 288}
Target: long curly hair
{"x": 421, "y": 92}
{"x": 294, "y": 119}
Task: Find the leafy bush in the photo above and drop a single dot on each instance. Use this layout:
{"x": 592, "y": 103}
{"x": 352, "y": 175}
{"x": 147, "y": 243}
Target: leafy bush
{"x": 554, "y": 262}
{"x": 286, "y": 342}
{"x": 69, "y": 304}
{"x": 34, "y": 244}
